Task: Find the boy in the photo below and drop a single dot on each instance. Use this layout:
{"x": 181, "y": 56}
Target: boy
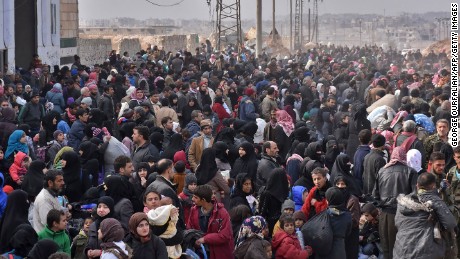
{"x": 285, "y": 241}
{"x": 81, "y": 240}
{"x": 300, "y": 219}
{"x": 368, "y": 230}
{"x": 56, "y": 224}
{"x": 187, "y": 193}
{"x": 287, "y": 208}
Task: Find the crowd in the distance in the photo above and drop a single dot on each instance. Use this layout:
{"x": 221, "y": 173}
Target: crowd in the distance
{"x": 333, "y": 152}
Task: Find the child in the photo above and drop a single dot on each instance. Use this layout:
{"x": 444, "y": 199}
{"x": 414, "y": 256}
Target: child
{"x": 56, "y": 224}
{"x": 179, "y": 176}
{"x": 79, "y": 242}
{"x": 186, "y": 195}
{"x": 300, "y": 219}
{"x": 368, "y": 231}
{"x": 158, "y": 218}
{"x": 285, "y": 241}
{"x": 19, "y": 167}
{"x": 288, "y": 208}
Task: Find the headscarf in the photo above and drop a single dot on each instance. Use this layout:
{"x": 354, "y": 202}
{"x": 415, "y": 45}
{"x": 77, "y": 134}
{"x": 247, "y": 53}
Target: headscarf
{"x": 334, "y": 197}
{"x": 110, "y": 204}
{"x": 23, "y": 239}
{"x": 221, "y": 151}
{"x": 112, "y": 231}
{"x": 401, "y": 115}
{"x": 341, "y": 165}
{"x": 207, "y": 168}
{"x": 57, "y": 88}
{"x": 332, "y": 152}
{"x": 8, "y": 115}
{"x": 239, "y": 181}
{"x": 33, "y": 180}
{"x": 156, "y": 138}
{"x": 43, "y": 249}
{"x": 312, "y": 150}
{"x": 117, "y": 188}
{"x": 277, "y": 184}
{"x": 285, "y": 121}
{"x": 176, "y": 144}
{"x": 63, "y": 150}
{"x": 345, "y": 191}
{"x": 253, "y": 226}
{"x": 14, "y": 144}
{"x": 398, "y": 155}
{"x": 16, "y": 213}
{"x": 414, "y": 159}
{"x": 134, "y": 221}
{"x": 89, "y": 151}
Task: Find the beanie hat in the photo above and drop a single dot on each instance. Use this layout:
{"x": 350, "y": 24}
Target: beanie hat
{"x": 56, "y": 133}
{"x": 249, "y": 91}
{"x": 300, "y": 215}
{"x": 8, "y": 189}
{"x": 70, "y": 100}
{"x": 288, "y": 204}
{"x": 371, "y": 209}
{"x": 378, "y": 140}
{"x": 87, "y": 101}
{"x": 190, "y": 178}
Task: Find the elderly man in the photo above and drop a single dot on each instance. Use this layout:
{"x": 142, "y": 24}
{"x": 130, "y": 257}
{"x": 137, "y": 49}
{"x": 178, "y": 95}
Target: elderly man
{"x": 441, "y": 135}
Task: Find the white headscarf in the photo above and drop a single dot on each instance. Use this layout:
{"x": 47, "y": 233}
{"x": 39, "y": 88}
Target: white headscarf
{"x": 414, "y": 159}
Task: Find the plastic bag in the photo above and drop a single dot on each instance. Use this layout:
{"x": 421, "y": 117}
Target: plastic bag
{"x": 317, "y": 233}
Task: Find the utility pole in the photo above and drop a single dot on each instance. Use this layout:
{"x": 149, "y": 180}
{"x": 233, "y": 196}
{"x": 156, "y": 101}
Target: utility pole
{"x": 273, "y": 24}
{"x": 290, "y": 23}
{"x": 259, "y": 28}
{"x": 360, "y": 21}
{"x": 228, "y": 21}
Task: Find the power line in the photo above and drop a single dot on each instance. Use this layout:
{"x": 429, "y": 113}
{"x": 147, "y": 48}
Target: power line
{"x": 165, "y": 5}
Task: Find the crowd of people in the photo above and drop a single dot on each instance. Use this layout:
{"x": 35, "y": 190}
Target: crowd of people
{"x": 332, "y": 152}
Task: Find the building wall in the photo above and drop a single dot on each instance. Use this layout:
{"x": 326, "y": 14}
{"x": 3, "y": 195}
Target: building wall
{"x": 68, "y": 31}
{"x": 48, "y": 24}
{"x": 93, "y": 51}
{"x": 7, "y": 44}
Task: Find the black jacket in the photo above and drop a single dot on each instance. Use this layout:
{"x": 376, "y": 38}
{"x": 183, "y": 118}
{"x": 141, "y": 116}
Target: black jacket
{"x": 372, "y": 164}
{"x": 154, "y": 248}
{"x": 106, "y": 105}
{"x": 264, "y": 169}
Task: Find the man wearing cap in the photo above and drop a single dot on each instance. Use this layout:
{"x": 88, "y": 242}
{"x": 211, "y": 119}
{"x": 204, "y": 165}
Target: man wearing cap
{"x": 373, "y": 162}
{"x": 247, "y": 109}
{"x": 32, "y": 113}
{"x": 198, "y": 144}
{"x": 269, "y": 103}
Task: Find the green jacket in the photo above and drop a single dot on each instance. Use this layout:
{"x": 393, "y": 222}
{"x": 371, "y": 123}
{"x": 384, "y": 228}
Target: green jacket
{"x": 61, "y": 238}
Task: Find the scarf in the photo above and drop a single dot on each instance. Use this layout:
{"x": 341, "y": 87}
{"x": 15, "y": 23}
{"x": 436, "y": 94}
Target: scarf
{"x": 14, "y": 144}
{"x": 72, "y": 118}
{"x": 252, "y": 226}
{"x": 414, "y": 159}
{"x": 285, "y": 121}
{"x": 398, "y": 155}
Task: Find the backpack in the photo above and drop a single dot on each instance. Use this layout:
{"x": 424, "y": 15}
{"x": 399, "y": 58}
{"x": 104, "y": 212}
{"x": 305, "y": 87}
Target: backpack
{"x": 317, "y": 233}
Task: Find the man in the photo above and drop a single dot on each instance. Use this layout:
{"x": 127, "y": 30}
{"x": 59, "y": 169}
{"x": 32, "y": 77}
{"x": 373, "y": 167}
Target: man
{"x": 182, "y": 98}
{"x": 364, "y": 137}
{"x": 56, "y": 225}
{"x": 198, "y": 144}
{"x": 269, "y": 104}
{"x": 123, "y": 166}
{"x": 32, "y": 113}
{"x": 165, "y": 111}
{"x": 168, "y": 126}
{"x": 372, "y": 163}
{"x": 437, "y": 163}
{"x": 217, "y": 236}
{"x": 247, "y": 109}
{"x": 324, "y": 117}
{"x": 269, "y": 130}
{"x": 416, "y": 221}
{"x": 442, "y": 132}
{"x": 76, "y": 133}
{"x": 194, "y": 125}
{"x": 84, "y": 93}
{"x": 94, "y": 94}
{"x": 143, "y": 148}
{"x": 154, "y": 101}
{"x": 393, "y": 179}
{"x": 149, "y": 114}
{"x": 408, "y": 139}
{"x": 177, "y": 63}
{"x": 164, "y": 186}
{"x": 106, "y": 104}
{"x": 47, "y": 199}
{"x": 266, "y": 165}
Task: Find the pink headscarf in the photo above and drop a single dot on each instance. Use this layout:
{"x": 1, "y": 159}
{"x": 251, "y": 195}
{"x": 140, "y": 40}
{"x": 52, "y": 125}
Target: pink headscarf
{"x": 285, "y": 121}
{"x": 398, "y": 155}
{"x": 388, "y": 137}
{"x": 399, "y": 116}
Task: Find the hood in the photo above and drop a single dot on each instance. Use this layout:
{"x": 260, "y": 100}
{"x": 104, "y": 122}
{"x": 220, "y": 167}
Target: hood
{"x": 278, "y": 238}
{"x": 2, "y": 181}
{"x": 297, "y": 192}
{"x": 409, "y": 204}
{"x": 18, "y": 158}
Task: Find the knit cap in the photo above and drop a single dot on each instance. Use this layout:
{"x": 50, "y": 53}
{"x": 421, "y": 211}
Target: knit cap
{"x": 190, "y": 178}
{"x": 371, "y": 209}
{"x": 300, "y": 215}
{"x": 56, "y": 133}
{"x": 87, "y": 101}
{"x": 288, "y": 204}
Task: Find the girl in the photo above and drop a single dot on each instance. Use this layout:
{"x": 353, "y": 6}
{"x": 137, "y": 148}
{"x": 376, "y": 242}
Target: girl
{"x": 111, "y": 234}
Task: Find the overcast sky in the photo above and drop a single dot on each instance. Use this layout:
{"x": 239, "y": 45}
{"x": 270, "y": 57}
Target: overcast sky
{"x": 141, "y": 9}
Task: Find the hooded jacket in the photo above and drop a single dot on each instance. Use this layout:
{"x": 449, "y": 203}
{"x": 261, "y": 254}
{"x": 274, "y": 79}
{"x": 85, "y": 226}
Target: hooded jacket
{"x": 288, "y": 246}
{"x": 16, "y": 171}
{"x": 61, "y": 238}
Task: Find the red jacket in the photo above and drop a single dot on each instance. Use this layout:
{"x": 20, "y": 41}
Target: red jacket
{"x": 16, "y": 171}
{"x": 219, "y": 236}
{"x": 221, "y": 113}
{"x": 184, "y": 199}
{"x": 319, "y": 205}
{"x": 288, "y": 246}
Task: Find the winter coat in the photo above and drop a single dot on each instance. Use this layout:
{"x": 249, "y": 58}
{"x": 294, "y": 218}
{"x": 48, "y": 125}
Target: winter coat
{"x": 44, "y": 202}
{"x": 76, "y": 134}
{"x": 123, "y": 211}
{"x": 106, "y": 105}
{"x": 16, "y": 171}
{"x": 319, "y": 206}
{"x": 58, "y": 101}
{"x": 61, "y": 238}
{"x": 251, "y": 248}
{"x": 358, "y": 163}
{"x": 219, "y": 235}
{"x": 247, "y": 110}
{"x": 288, "y": 246}
{"x": 196, "y": 150}
{"x": 415, "y": 237}
{"x": 297, "y": 193}
{"x": 264, "y": 169}
{"x": 218, "y": 184}
{"x": 372, "y": 164}
{"x": 141, "y": 153}
{"x": 341, "y": 227}
{"x": 154, "y": 248}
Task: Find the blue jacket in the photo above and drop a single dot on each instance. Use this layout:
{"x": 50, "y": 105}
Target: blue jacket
{"x": 247, "y": 110}
{"x": 358, "y": 163}
{"x": 193, "y": 127}
{"x": 76, "y": 134}
{"x": 3, "y": 196}
{"x": 297, "y": 192}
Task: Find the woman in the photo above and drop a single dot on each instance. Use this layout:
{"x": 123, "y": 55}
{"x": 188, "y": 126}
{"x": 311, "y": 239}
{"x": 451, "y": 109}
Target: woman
{"x": 351, "y": 203}
{"x": 121, "y": 193}
{"x": 33, "y": 180}
{"x": 56, "y": 97}
{"x": 16, "y": 213}
{"x": 332, "y": 152}
{"x": 7, "y": 124}
{"x": 294, "y": 161}
{"x": 173, "y": 99}
{"x": 246, "y": 163}
{"x": 242, "y": 194}
{"x": 237, "y": 216}
{"x": 192, "y": 105}
{"x": 208, "y": 173}
{"x": 49, "y": 126}
{"x": 358, "y": 121}
{"x": 104, "y": 210}
{"x": 143, "y": 242}
{"x": 250, "y": 240}
{"x": 22, "y": 241}
{"x": 273, "y": 196}
{"x": 137, "y": 97}
{"x": 218, "y": 108}
{"x": 342, "y": 167}
{"x": 43, "y": 249}
{"x": 16, "y": 142}
{"x": 282, "y": 133}
{"x": 414, "y": 160}
{"x": 72, "y": 173}
{"x": 176, "y": 144}
{"x": 89, "y": 159}
{"x": 111, "y": 234}
{"x": 221, "y": 156}
{"x": 139, "y": 180}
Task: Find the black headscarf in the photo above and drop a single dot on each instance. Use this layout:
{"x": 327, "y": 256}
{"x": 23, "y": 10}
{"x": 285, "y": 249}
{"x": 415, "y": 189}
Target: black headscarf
{"x": 117, "y": 188}
{"x": 334, "y": 197}
{"x": 277, "y": 184}
{"x": 72, "y": 176}
{"x": 23, "y": 239}
{"x": 239, "y": 181}
{"x": 345, "y": 191}
{"x": 33, "y": 180}
{"x": 207, "y": 168}
{"x": 156, "y": 138}
{"x": 302, "y": 134}
{"x": 342, "y": 168}
{"x": 226, "y": 135}
{"x": 90, "y": 151}
{"x": 16, "y": 212}
{"x": 48, "y": 126}
{"x": 176, "y": 144}
{"x": 221, "y": 151}
{"x": 43, "y": 249}
{"x": 312, "y": 151}
{"x": 246, "y": 164}
{"x": 111, "y": 204}
{"x": 332, "y": 151}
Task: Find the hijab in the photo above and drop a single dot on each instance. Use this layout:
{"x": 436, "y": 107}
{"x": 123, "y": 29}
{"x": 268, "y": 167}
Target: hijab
{"x": 207, "y": 168}
{"x": 334, "y": 197}
{"x": 414, "y": 159}
{"x": 345, "y": 191}
{"x": 221, "y": 151}
{"x": 134, "y": 221}
{"x": 14, "y": 144}
{"x": 43, "y": 249}
{"x": 90, "y": 151}
{"x": 239, "y": 181}
{"x": 117, "y": 188}
{"x": 251, "y": 227}
{"x": 176, "y": 144}
{"x": 16, "y": 213}
{"x": 285, "y": 121}
{"x": 72, "y": 167}
{"x": 156, "y": 138}
{"x": 341, "y": 166}
{"x": 398, "y": 155}
{"x": 111, "y": 204}
{"x": 33, "y": 180}
{"x": 23, "y": 239}
{"x": 8, "y": 115}
{"x": 312, "y": 151}
{"x": 112, "y": 231}
{"x": 277, "y": 184}
{"x": 332, "y": 152}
